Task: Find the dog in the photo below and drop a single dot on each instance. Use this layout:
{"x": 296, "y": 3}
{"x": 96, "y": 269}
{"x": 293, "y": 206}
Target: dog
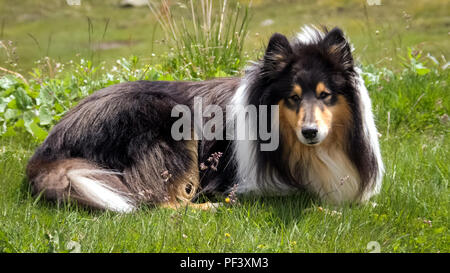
{"x": 115, "y": 150}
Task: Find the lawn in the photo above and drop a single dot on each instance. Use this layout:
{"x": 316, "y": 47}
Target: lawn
{"x": 411, "y": 214}
{"x": 410, "y": 103}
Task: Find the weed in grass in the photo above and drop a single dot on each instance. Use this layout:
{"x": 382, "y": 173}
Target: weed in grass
{"x": 209, "y": 40}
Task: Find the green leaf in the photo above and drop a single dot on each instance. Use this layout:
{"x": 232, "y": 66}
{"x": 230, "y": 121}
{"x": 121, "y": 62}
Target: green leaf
{"x": 6, "y": 82}
{"x": 32, "y": 94}
{"x": 23, "y": 101}
{"x": 220, "y": 74}
{"x": 19, "y": 124}
{"x": 32, "y": 126}
{"x": 12, "y": 104}
{"x": 28, "y": 118}
{"x": 45, "y": 115}
{"x": 58, "y": 108}
{"x": 9, "y": 132}
{"x": 45, "y": 96}
{"x": 72, "y": 93}
{"x": 37, "y": 131}
{"x": 3, "y": 104}
{"x": 422, "y": 71}
{"x": 11, "y": 114}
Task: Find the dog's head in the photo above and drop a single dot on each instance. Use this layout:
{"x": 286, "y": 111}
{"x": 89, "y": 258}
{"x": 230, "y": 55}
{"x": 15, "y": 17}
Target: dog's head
{"x": 310, "y": 81}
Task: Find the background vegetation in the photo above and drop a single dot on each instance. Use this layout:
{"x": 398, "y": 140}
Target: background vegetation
{"x": 52, "y": 55}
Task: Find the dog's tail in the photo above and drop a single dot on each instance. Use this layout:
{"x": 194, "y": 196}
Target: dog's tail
{"x": 81, "y": 181}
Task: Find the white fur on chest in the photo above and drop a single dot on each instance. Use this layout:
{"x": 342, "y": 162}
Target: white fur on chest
{"x": 332, "y": 176}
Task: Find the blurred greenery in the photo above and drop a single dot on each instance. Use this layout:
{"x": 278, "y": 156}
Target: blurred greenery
{"x": 99, "y": 30}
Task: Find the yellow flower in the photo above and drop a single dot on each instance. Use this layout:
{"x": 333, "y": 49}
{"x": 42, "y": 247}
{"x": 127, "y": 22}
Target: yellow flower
{"x": 227, "y": 235}
{"x": 227, "y": 200}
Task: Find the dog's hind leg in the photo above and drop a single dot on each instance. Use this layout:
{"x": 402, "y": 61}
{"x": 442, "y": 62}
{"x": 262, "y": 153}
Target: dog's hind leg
{"x": 166, "y": 173}
{"x": 81, "y": 181}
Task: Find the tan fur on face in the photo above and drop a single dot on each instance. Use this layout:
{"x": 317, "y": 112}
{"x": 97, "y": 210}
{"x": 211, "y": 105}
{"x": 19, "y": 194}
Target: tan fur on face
{"x": 341, "y": 121}
{"x": 321, "y": 88}
{"x": 336, "y": 118}
{"x": 288, "y": 115}
{"x": 323, "y": 118}
{"x": 297, "y": 90}
{"x": 329, "y": 172}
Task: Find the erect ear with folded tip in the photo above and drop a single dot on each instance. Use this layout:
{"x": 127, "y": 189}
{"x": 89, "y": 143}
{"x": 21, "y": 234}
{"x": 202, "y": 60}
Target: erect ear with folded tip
{"x": 277, "y": 56}
{"x": 337, "y": 47}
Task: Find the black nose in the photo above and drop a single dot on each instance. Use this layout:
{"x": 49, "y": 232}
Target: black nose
{"x": 309, "y": 132}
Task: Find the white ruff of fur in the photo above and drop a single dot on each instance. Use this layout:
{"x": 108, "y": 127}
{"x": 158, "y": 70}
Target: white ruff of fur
{"x": 331, "y": 175}
{"x": 245, "y": 152}
{"x": 310, "y": 35}
{"x": 97, "y": 192}
{"x": 370, "y": 133}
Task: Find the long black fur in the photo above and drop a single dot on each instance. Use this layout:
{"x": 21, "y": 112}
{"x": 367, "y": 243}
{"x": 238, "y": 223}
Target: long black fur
{"x": 309, "y": 63}
{"x": 125, "y": 128}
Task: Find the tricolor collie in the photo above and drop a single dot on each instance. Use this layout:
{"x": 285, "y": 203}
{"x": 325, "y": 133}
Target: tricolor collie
{"x": 115, "y": 150}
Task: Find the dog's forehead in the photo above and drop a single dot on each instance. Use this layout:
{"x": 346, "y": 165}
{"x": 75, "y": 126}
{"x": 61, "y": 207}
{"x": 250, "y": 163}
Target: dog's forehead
{"x": 309, "y": 79}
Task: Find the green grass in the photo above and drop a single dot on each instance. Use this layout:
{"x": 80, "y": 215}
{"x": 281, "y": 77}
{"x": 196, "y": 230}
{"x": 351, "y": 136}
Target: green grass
{"x": 412, "y": 212}
{"x": 411, "y": 108}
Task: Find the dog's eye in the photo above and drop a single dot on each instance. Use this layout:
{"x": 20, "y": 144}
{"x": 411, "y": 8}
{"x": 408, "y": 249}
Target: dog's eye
{"x": 324, "y": 95}
{"x": 295, "y": 98}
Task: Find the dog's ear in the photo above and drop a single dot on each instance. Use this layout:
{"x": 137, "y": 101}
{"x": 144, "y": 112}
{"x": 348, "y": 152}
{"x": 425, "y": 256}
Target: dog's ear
{"x": 337, "y": 47}
{"x": 277, "y": 56}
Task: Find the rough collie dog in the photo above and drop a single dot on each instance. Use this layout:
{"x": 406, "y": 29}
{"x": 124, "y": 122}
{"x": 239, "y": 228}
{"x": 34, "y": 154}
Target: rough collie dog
{"x": 115, "y": 149}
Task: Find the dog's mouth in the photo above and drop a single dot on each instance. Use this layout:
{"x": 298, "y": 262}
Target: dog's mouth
{"x": 310, "y": 142}
{"x": 316, "y": 141}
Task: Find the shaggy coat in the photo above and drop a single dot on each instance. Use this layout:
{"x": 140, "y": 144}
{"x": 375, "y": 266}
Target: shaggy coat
{"x": 114, "y": 150}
